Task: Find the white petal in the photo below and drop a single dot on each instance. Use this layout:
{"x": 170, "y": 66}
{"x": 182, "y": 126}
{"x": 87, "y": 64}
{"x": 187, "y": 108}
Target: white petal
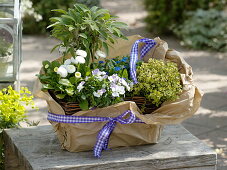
{"x": 81, "y": 53}
{"x": 67, "y": 62}
{"x": 80, "y": 59}
{"x": 62, "y": 71}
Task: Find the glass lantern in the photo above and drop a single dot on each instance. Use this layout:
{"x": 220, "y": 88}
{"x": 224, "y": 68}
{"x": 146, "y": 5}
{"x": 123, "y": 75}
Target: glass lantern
{"x": 10, "y": 41}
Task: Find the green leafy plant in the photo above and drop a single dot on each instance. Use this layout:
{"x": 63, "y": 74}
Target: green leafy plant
{"x": 204, "y": 29}
{"x": 12, "y": 111}
{"x": 37, "y": 13}
{"x": 159, "y": 81}
{"x": 163, "y": 14}
{"x": 85, "y": 29}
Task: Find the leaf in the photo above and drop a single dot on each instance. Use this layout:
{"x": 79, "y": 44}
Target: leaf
{"x": 84, "y": 105}
{"x": 65, "y": 82}
{"x": 59, "y": 10}
{"x": 60, "y": 96}
{"x": 119, "y": 25}
{"x": 47, "y": 86}
{"x": 69, "y": 91}
{"x": 54, "y": 48}
{"x": 83, "y": 35}
{"x": 125, "y": 74}
{"x": 105, "y": 46}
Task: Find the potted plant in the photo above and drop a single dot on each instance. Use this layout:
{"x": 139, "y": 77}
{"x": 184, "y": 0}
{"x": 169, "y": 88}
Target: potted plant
{"x": 86, "y": 86}
{"x": 5, "y": 56}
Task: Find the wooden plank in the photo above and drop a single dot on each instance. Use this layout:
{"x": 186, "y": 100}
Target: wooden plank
{"x": 38, "y": 148}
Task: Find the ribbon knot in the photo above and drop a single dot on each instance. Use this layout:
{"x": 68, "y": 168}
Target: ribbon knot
{"x": 104, "y": 134}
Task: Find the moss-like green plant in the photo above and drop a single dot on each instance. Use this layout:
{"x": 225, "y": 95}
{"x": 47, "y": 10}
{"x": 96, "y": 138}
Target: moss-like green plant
{"x": 12, "y": 106}
{"x": 159, "y": 81}
{"x": 12, "y": 111}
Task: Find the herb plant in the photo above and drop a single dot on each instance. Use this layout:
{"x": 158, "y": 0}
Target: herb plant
{"x": 85, "y": 29}
{"x": 159, "y": 81}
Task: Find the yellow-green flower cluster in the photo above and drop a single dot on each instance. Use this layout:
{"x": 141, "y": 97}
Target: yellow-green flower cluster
{"x": 159, "y": 81}
{"x": 13, "y": 106}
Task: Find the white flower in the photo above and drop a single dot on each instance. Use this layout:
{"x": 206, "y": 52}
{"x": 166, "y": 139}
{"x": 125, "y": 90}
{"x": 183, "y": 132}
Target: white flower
{"x": 100, "y": 54}
{"x": 114, "y": 78}
{"x": 99, "y": 93}
{"x": 79, "y": 60}
{"x": 73, "y": 60}
{"x": 81, "y": 53}
{"x": 124, "y": 83}
{"x": 77, "y": 74}
{"x": 115, "y": 94}
{"x": 70, "y": 68}
{"x": 80, "y": 86}
{"x": 67, "y": 62}
{"x": 62, "y": 49}
{"x": 62, "y": 71}
{"x": 117, "y": 90}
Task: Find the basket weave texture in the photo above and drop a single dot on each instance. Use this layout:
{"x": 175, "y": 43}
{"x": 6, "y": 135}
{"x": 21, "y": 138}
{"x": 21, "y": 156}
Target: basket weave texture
{"x": 73, "y": 107}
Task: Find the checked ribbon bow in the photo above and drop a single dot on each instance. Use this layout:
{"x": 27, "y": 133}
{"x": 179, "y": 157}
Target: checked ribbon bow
{"x": 149, "y": 43}
{"x": 104, "y": 134}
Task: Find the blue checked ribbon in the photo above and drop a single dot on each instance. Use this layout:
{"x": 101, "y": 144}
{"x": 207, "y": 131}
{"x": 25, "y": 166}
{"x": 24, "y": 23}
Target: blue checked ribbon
{"x": 149, "y": 43}
{"x": 104, "y": 134}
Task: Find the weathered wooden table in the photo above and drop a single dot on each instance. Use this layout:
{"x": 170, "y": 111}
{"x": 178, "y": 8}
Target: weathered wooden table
{"x": 38, "y": 148}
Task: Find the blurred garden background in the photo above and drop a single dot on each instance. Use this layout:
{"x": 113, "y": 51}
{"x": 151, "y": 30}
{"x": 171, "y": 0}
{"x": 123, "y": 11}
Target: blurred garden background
{"x": 196, "y": 28}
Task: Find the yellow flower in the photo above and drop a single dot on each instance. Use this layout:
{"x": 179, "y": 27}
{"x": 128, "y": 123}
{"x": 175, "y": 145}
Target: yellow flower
{"x": 55, "y": 69}
{"x": 77, "y": 74}
{"x": 46, "y": 66}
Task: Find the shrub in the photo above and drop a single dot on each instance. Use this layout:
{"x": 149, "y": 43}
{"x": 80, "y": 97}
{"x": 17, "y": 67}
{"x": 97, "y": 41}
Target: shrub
{"x": 163, "y": 14}
{"x": 12, "y": 111}
{"x": 159, "y": 81}
{"x": 205, "y": 29}
{"x": 43, "y": 8}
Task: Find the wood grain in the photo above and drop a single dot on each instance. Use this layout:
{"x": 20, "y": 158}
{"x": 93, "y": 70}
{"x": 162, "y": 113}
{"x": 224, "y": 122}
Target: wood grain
{"x": 38, "y": 148}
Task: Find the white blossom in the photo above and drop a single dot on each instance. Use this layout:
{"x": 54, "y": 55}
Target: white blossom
{"x": 81, "y": 53}
{"x": 80, "y": 86}
{"x": 62, "y": 71}
{"x": 70, "y": 68}
{"x": 79, "y": 60}
{"x": 67, "y": 62}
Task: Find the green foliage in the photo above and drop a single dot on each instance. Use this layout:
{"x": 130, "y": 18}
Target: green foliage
{"x": 5, "y": 48}
{"x": 163, "y": 14}
{"x": 159, "y": 81}
{"x": 205, "y": 29}
{"x": 12, "y": 106}
{"x": 12, "y": 111}
{"x": 43, "y": 7}
{"x": 85, "y": 29}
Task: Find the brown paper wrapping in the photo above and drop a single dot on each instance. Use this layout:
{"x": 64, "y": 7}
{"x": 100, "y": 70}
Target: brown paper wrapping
{"x": 82, "y": 137}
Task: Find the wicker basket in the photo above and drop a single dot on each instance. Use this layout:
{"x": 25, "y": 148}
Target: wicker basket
{"x": 73, "y": 107}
